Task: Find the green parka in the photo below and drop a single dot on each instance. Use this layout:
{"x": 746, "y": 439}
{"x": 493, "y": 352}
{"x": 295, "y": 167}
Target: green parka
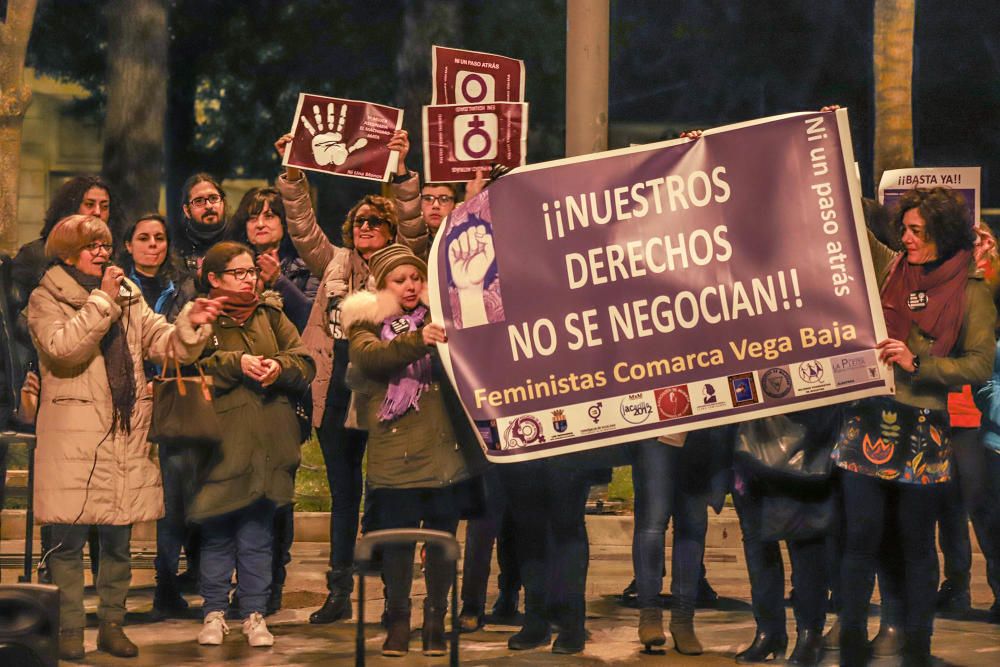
{"x": 427, "y": 448}
{"x": 260, "y": 448}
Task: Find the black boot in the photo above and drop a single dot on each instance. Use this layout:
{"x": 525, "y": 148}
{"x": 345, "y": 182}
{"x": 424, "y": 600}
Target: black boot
{"x": 397, "y": 638}
{"x": 505, "y": 608}
{"x": 808, "y": 648}
{"x": 167, "y": 600}
{"x": 888, "y": 642}
{"x": 337, "y": 606}
{"x": 765, "y": 646}
{"x": 433, "y": 631}
{"x": 853, "y": 647}
{"x": 534, "y": 633}
{"x": 572, "y": 631}
{"x": 917, "y": 650}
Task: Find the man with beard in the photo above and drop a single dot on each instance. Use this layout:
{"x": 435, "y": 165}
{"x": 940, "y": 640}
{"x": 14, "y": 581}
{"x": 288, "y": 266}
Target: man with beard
{"x": 204, "y": 204}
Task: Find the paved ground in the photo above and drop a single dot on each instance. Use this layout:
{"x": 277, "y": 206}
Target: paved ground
{"x": 612, "y": 625}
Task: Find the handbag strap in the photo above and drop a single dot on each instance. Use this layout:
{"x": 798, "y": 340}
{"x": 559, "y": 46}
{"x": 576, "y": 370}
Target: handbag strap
{"x": 171, "y": 358}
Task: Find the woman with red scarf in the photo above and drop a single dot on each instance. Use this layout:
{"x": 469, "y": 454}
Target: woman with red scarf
{"x": 421, "y": 450}
{"x": 257, "y": 364}
{"x": 895, "y": 452}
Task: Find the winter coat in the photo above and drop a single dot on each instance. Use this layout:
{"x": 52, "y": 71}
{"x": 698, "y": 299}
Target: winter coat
{"x": 429, "y": 447}
{"x": 67, "y": 324}
{"x": 343, "y": 271}
{"x": 412, "y": 230}
{"x": 988, "y": 401}
{"x": 970, "y": 362}
{"x": 297, "y": 287}
{"x": 260, "y": 447}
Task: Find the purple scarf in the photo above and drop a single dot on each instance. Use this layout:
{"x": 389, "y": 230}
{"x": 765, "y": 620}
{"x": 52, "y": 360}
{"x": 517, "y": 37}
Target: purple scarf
{"x": 408, "y": 384}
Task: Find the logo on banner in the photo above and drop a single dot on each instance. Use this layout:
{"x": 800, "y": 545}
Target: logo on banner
{"x": 708, "y": 396}
{"x": 476, "y": 136}
{"x": 524, "y": 431}
{"x": 636, "y": 409}
{"x": 559, "y": 422}
{"x": 811, "y": 371}
{"x": 776, "y": 382}
{"x": 743, "y": 389}
{"x": 474, "y": 87}
{"x": 673, "y": 402}
{"x": 594, "y": 411}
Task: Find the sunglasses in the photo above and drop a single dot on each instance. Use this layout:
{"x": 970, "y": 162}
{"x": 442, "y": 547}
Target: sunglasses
{"x": 374, "y": 222}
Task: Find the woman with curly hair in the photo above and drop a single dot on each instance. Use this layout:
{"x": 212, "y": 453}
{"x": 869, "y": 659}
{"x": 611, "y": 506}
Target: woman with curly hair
{"x": 895, "y": 452}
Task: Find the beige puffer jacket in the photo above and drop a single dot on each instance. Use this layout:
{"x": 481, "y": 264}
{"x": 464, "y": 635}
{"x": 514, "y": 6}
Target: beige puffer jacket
{"x": 67, "y": 324}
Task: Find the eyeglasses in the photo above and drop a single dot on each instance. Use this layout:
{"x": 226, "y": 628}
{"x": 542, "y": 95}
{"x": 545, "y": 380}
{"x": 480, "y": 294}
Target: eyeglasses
{"x": 243, "y": 274}
{"x": 441, "y": 199}
{"x": 374, "y": 222}
{"x": 97, "y": 246}
{"x": 202, "y": 201}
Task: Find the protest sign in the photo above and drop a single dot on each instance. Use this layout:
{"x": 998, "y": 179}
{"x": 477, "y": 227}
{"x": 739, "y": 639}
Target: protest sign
{"x": 343, "y": 137}
{"x": 460, "y": 140}
{"x": 471, "y": 77}
{"x": 966, "y": 180}
{"x": 652, "y": 290}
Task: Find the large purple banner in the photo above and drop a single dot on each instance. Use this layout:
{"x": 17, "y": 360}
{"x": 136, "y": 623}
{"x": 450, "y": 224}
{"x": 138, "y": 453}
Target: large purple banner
{"x": 662, "y": 288}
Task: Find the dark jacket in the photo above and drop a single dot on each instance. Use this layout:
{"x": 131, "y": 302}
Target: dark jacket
{"x": 427, "y": 448}
{"x": 260, "y": 448}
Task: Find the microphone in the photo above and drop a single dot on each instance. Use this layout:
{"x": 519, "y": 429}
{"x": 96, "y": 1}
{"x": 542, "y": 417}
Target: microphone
{"x": 124, "y": 288}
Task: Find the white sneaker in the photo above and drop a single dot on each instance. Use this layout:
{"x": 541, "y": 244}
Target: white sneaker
{"x": 214, "y": 629}
{"x": 256, "y": 631}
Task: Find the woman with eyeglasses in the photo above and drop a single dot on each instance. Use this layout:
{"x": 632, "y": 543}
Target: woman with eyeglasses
{"x": 258, "y": 366}
{"x": 369, "y": 226}
{"x": 260, "y": 223}
{"x": 93, "y": 330}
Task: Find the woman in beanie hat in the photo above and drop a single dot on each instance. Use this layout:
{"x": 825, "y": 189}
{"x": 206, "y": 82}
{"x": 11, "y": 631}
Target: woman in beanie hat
{"x": 420, "y": 445}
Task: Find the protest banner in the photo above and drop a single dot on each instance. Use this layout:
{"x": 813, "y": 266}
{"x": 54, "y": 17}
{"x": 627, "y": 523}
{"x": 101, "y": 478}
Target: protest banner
{"x": 966, "y": 180}
{"x": 460, "y": 140}
{"x": 658, "y": 289}
{"x": 343, "y": 137}
{"x": 472, "y": 77}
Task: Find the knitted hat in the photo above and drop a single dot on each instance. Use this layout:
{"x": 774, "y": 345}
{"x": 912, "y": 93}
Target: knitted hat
{"x": 383, "y": 261}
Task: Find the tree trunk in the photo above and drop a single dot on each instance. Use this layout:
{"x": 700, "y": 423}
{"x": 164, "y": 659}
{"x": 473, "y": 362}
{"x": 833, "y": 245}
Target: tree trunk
{"x": 137, "y": 98}
{"x": 893, "y": 62}
{"x": 15, "y": 97}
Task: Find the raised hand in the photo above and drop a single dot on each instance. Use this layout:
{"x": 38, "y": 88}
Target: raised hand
{"x": 204, "y": 311}
{"x": 327, "y": 139}
{"x": 470, "y": 256}
{"x": 400, "y": 141}
{"x": 270, "y": 267}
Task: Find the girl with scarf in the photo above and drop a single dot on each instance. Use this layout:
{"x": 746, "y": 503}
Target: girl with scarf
{"x": 93, "y": 330}
{"x": 419, "y": 456}
{"x": 895, "y": 452}
{"x": 258, "y": 364}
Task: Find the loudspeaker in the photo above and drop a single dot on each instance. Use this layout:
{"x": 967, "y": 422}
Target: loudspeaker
{"x": 29, "y": 625}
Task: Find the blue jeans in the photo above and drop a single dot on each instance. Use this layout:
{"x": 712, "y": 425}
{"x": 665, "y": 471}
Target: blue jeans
{"x": 548, "y": 504}
{"x": 658, "y": 496}
{"x": 343, "y": 451}
{"x": 986, "y": 521}
{"x": 240, "y": 540}
{"x": 480, "y": 533}
{"x": 172, "y": 530}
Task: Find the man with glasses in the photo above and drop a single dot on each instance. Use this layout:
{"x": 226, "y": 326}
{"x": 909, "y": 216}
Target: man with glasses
{"x": 203, "y": 202}
{"x": 421, "y": 210}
